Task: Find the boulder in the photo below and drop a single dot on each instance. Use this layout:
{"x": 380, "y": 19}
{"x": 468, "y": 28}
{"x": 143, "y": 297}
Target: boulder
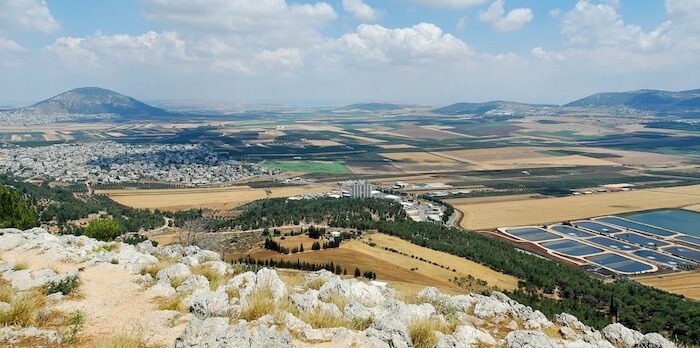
{"x": 618, "y": 334}
{"x": 10, "y": 335}
{"x": 174, "y": 272}
{"x": 529, "y": 339}
{"x": 146, "y": 247}
{"x": 205, "y": 304}
{"x": 390, "y": 331}
{"x": 355, "y": 310}
{"x": 402, "y": 312}
{"x": 192, "y": 283}
{"x": 654, "y": 340}
{"x": 466, "y": 336}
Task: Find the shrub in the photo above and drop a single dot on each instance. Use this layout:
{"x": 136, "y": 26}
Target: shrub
{"x": 102, "y": 229}
{"x": 74, "y": 324}
{"x": 260, "y": 303}
{"x": 15, "y": 210}
{"x": 65, "y": 286}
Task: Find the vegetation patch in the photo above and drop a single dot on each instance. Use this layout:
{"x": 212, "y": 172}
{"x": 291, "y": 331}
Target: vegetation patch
{"x": 259, "y": 303}
{"x": 310, "y": 167}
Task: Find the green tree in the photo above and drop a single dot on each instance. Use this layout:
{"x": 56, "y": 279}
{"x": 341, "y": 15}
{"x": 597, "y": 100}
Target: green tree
{"x": 103, "y": 229}
{"x": 15, "y": 210}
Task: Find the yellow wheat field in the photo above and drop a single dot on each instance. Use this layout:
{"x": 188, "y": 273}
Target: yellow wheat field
{"x": 214, "y": 198}
{"x": 686, "y": 284}
{"x": 551, "y": 210}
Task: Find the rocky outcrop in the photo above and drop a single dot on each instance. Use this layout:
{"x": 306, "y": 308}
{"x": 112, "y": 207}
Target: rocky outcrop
{"x": 258, "y": 309}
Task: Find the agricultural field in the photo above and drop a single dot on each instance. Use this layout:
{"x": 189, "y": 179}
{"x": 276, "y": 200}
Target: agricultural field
{"x": 686, "y": 284}
{"x": 212, "y": 198}
{"x": 309, "y": 167}
{"x": 396, "y": 264}
{"x": 416, "y": 162}
{"x": 519, "y": 157}
{"x": 552, "y": 210}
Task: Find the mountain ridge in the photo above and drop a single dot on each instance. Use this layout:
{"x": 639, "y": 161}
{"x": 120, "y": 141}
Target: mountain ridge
{"x": 95, "y": 100}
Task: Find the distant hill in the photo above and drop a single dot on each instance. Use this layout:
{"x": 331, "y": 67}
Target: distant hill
{"x": 646, "y": 99}
{"x": 93, "y": 100}
{"x": 483, "y": 108}
{"x": 373, "y": 107}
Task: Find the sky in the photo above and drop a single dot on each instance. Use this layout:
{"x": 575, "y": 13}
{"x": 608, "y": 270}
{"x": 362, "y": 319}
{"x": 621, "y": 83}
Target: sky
{"x": 334, "y": 52}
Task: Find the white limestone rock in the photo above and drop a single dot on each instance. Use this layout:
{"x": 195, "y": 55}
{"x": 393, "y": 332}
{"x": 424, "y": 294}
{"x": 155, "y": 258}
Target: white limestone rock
{"x": 618, "y": 334}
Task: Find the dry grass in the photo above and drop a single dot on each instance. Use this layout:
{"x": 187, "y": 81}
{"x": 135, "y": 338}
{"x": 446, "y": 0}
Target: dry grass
{"x": 172, "y": 303}
{"x": 20, "y": 266}
{"x": 323, "y": 320}
{"x": 422, "y": 332}
{"x": 130, "y": 339}
{"x": 153, "y": 269}
{"x": 686, "y": 284}
{"x": 553, "y": 210}
{"x": 260, "y": 303}
{"x": 315, "y": 283}
{"x": 26, "y": 309}
{"x": 337, "y": 299}
{"x": 6, "y": 293}
{"x": 215, "y": 278}
{"x": 176, "y": 282}
{"x": 438, "y": 276}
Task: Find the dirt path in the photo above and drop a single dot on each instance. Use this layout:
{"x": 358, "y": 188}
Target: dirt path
{"x": 113, "y": 304}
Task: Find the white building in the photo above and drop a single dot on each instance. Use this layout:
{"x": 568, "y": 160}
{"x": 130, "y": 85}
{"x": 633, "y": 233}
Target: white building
{"x": 362, "y": 190}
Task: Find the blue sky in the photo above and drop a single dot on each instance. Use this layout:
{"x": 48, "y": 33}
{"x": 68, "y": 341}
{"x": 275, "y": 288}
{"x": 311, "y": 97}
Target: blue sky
{"x": 341, "y": 51}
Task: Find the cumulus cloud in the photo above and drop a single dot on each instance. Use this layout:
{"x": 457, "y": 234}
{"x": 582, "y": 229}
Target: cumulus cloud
{"x": 600, "y": 24}
{"x": 360, "y": 10}
{"x": 497, "y": 17}
{"x": 268, "y": 20}
{"x": 27, "y": 15}
{"x": 423, "y": 43}
{"x": 7, "y": 45}
{"x": 451, "y": 3}
{"x": 101, "y": 51}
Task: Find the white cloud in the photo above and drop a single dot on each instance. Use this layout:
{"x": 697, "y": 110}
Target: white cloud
{"x": 360, "y": 10}
{"x": 600, "y": 24}
{"x": 554, "y": 13}
{"x": 451, "y": 3}
{"x": 497, "y": 17}
{"x": 27, "y": 15}
{"x": 265, "y": 21}
{"x": 461, "y": 24}
{"x": 100, "y": 51}
{"x": 540, "y": 53}
{"x": 9, "y": 46}
{"x": 423, "y": 43}
{"x": 689, "y": 9}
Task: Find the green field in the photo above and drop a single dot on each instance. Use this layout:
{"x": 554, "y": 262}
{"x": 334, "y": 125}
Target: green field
{"x": 310, "y": 167}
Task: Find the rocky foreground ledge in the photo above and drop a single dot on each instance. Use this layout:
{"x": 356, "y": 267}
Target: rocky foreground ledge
{"x": 204, "y": 302}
